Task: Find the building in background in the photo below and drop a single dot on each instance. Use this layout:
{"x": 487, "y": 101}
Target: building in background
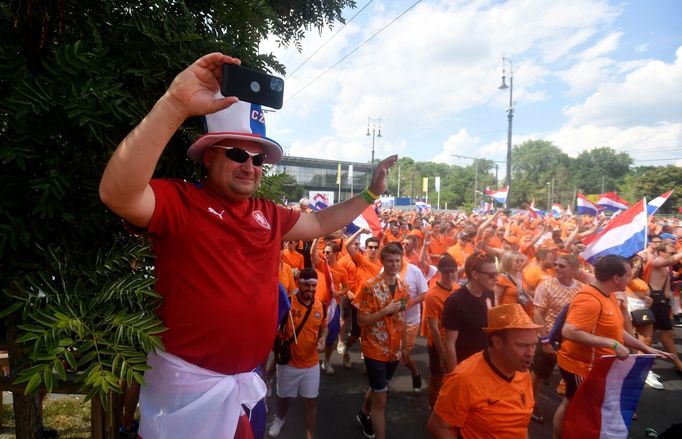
{"x": 317, "y": 175}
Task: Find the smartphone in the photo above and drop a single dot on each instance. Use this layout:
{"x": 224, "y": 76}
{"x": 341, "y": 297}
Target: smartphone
{"x": 403, "y": 303}
{"x": 252, "y": 86}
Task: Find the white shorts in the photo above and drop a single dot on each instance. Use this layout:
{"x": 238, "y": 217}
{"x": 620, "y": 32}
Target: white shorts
{"x": 293, "y": 382}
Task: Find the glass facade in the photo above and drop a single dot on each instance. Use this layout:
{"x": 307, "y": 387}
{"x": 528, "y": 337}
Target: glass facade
{"x": 321, "y": 175}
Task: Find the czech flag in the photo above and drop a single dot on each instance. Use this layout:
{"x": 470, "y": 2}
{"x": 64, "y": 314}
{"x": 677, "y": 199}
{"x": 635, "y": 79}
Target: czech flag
{"x": 584, "y": 206}
{"x": 611, "y": 201}
{"x": 603, "y": 405}
{"x": 499, "y": 195}
{"x": 624, "y": 235}
{"x": 367, "y": 219}
{"x": 657, "y": 202}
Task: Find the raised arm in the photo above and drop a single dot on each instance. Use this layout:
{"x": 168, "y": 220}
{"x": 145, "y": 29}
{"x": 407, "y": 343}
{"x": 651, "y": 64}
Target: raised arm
{"x": 322, "y": 222}
{"x": 349, "y": 242}
{"x": 124, "y": 187}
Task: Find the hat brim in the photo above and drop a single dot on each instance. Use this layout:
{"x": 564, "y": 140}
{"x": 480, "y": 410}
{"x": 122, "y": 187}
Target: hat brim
{"x": 528, "y": 326}
{"x": 273, "y": 151}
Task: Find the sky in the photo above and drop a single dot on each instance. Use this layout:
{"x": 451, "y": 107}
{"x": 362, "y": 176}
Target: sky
{"x": 586, "y": 74}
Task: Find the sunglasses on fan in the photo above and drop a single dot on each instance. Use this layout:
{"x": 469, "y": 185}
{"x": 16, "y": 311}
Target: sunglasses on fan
{"x": 240, "y": 156}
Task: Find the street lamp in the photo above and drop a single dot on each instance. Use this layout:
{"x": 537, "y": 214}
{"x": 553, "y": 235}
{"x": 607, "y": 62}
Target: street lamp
{"x": 510, "y": 114}
{"x": 376, "y": 132}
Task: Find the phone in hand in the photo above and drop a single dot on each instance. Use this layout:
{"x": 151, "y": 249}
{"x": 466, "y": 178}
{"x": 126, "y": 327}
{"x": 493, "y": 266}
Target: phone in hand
{"x": 252, "y": 86}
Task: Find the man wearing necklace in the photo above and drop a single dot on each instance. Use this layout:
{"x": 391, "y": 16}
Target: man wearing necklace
{"x": 433, "y": 312}
{"x": 490, "y": 394}
{"x": 594, "y": 328}
{"x": 465, "y": 312}
{"x": 381, "y": 303}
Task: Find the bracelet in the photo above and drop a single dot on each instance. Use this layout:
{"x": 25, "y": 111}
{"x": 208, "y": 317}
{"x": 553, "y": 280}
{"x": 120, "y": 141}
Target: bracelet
{"x": 372, "y": 194}
{"x": 615, "y": 345}
{"x": 544, "y": 340}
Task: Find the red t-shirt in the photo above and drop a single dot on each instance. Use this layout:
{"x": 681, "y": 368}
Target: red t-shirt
{"x": 217, "y": 267}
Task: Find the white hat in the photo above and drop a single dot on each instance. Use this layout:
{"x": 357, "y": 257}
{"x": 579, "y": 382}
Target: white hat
{"x": 240, "y": 121}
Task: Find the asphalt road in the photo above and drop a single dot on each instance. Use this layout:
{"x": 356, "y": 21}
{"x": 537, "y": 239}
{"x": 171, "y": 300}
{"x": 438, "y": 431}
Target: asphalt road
{"x": 407, "y": 412}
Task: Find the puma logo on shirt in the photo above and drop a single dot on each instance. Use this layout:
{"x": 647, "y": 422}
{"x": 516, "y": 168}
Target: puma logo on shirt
{"x": 213, "y": 211}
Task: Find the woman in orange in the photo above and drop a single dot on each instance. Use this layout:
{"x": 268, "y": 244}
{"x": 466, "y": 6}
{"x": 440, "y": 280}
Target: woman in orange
{"x": 510, "y": 287}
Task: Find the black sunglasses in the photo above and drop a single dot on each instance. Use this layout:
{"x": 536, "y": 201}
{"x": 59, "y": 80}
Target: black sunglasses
{"x": 240, "y": 156}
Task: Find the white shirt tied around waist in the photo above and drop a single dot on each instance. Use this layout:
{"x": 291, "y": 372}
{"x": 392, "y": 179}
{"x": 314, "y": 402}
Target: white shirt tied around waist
{"x": 180, "y": 399}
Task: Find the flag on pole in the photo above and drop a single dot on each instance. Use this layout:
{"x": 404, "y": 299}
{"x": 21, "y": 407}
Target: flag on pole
{"x": 437, "y": 184}
{"x": 657, "y": 202}
{"x": 602, "y": 407}
{"x": 350, "y": 174}
{"x": 584, "y": 206}
{"x": 611, "y": 201}
{"x": 425, "y": 184}
{"x": 624, "y": 235}
{"x": 338, "y": 174}
{"x": 499, "y": 195}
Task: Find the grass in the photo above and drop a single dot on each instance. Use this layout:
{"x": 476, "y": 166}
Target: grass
{"x": 69, "y": 416}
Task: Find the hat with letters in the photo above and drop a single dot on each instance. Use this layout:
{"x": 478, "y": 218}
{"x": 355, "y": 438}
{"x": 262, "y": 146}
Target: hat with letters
{"x": 240, "y": 121}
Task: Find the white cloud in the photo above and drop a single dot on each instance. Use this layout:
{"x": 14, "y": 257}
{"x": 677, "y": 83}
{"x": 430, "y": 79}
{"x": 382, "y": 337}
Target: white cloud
{"x": 603, "y": 47}
{"x": 583, "y": 76}
{"x": 648, "y": 95}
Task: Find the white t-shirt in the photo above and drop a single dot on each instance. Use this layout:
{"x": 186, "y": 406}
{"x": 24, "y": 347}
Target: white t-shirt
{"x": 416, "y": 285}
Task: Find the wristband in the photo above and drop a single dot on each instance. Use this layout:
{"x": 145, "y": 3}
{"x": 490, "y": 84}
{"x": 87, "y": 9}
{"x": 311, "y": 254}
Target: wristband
{"x": 372, "y": 194}
{"x": 615, "y": 345}
{"x": 544, "y": 340}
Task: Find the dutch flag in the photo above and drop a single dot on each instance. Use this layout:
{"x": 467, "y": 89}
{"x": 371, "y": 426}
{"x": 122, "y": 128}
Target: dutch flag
{"x": 611, "y": 201}
{"x": 584, "y": 206}
{"x": 657, "y": 202}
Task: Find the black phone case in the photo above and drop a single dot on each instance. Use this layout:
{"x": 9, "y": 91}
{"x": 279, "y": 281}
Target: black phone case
{"x": 252, "y": 86}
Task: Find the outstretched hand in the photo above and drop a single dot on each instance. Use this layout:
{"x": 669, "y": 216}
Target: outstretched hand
{"x": 379, "y": 182}
{"x": 193, "y": 91}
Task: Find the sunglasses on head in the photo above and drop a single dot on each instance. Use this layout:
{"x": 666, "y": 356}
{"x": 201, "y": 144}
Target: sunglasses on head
{"x": 240, "y": 156}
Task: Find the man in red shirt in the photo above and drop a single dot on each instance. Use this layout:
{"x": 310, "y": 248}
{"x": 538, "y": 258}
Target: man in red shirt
{"x": 217, "y": 251}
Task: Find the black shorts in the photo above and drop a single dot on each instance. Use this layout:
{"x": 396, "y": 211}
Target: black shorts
{"x": 573, "y": 381}
{"x": 434, "y": 363}
{"x": 662, "y": 313}
{"x": 354, "y": 327}
{"x": 380, "y": 373}
{"x": 543, "y": 363}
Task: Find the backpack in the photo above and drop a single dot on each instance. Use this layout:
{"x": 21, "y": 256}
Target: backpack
{"x": 555, "y": 337}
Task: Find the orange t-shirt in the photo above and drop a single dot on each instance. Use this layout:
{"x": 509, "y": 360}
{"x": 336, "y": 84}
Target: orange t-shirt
{"x": 304, "y": 353}
{"x": 461, "y": 253}
{"x": 293, "y": 259}
{"x": 390, "y": 237}
{"x": 382, "y": 339}
{"x": 533, "y": 274}
{"x": 482, "y": 404}
{"x": 594, "y": 313}
{"x": 510, "y": 293}
{"x": 286, "y": 278}
{"x": 365, "y": 269}
{"x": 347, "y": 262}
{"x": 437, "y": 247}
{"x": 434, "y": 301}
{"x": 339, "y": 278}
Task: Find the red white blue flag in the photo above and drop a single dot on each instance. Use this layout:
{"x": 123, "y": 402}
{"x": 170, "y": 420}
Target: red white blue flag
{"x": 584, "y": 206}
{"x": 367, "y": 219}
{"x": 602, "y": 407}
{"x": 624, "y": 235}
{"x": 499, "y": 195}
{"x": 611, "y": 201}
{"x": 657, "y": 202}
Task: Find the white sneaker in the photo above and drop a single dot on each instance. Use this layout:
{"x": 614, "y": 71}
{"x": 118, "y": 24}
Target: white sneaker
{"x": 652, "y": 381}
{"x": 328, "y": 369}
{"x": 654, "y": 374}
{"x": 341, "y": 347}
{"x": 276, "y": 427}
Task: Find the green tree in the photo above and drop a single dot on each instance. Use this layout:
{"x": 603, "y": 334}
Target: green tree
{"x": 534, "y": 164}
{"x": 650, "y": 182}
{"x": 600, "y": 170}
{"x": 75, "y": 77}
